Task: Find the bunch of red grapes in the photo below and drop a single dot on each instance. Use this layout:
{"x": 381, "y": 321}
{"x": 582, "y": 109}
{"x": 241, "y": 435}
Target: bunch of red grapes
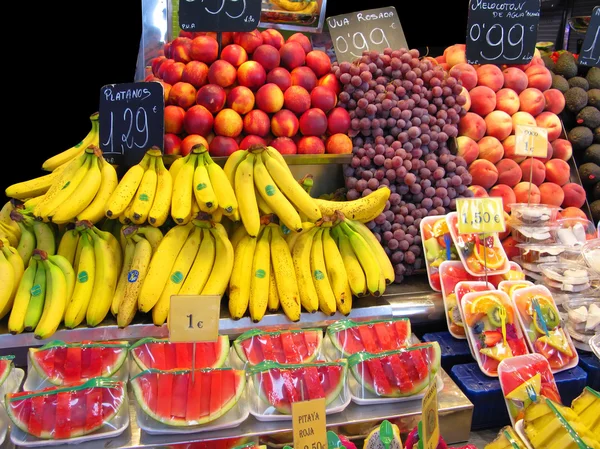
{"x": 403, "y": 112}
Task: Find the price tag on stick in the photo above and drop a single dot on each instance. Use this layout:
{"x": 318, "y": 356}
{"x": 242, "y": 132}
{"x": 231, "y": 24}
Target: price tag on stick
{"x": 375, "y": 29}
{"x": 502, "y": 32}
{"x": 132, "y": 120}
{"x": 531, "y": 141}
{"x": 480, "y": 215}
{"x": 590, "y": 50}
{"x": 429, "y": 418}
{"x": 219, "y": 15}
{"x": 194, "y": 318}
{"x": 308, "y": 424}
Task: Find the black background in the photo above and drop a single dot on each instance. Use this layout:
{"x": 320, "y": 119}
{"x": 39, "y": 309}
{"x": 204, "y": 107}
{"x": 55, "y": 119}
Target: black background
{"x": 54, "y": 66}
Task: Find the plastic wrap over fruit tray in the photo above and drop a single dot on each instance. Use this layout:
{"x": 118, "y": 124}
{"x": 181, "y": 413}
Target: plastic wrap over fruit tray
{"x": 98, "y": 408}
{"x": 60, "y": 363}
{"x": 11, "y": 377}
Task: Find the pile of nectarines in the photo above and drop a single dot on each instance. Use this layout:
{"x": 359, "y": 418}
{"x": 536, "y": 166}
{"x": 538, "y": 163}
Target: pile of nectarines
{"x": 260, "y": 89}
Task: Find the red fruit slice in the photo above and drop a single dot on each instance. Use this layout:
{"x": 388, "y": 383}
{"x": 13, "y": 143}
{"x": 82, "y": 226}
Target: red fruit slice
{"x": 93, "y": 419}
{"x": 36, "y": 419}
{"x": 78, "y": 412}
{"x": 194, "y": 390}
{"x": 380, "y": 380}
{"x": 283, "y": 347}
{"x": 371, "y": 336}
{"x": 180, "y": 393}
{"x": 290, "y": 349}
{"x": 278, "y": 352}
{"x": 216, "y": 391}
{"x": 63, "y": 415}
{"x": 207, "y": 394}
{"x": 301, "y": 344}
{"x": 368, "y": 338}
{"x": 165, "y": 392}
{"x": 312, "y": 383}
{"x": 73, "y": 365}
{"x": 184, "y": 353}
{"x": 171, "y": 356}
{"x": 290, "y": 390}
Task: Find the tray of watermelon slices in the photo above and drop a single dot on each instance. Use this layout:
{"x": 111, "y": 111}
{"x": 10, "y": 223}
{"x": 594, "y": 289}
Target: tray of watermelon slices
{"x": 74, "y": 414}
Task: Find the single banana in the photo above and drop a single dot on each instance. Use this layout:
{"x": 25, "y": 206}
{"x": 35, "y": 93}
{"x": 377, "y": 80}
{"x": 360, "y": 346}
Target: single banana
{"x": 291, "y": 189}
{"x": 239, "y": 284}
{"x": 245, "y": 193}
{"x": 145, "y": 194}
{"x": 273, "y": 300}
{"x": 203, "y": 188}
{"x": 105, "y": 278}
{"x": 67, "y": 247}
{"x": 16, "y": 321}
{"x": 125, "y": 191}
{"x": 82, "y": 196}
{"x": 373, "y": 273}
{"x": 123, "y": 276}
{"x": 327, "y": 302}
{"x": 92, "y": 138}
{"x": 152, "y": 234}
{"x": 260, "y": 275}
{"x": 263, "y": 207}
{"x": 15, "y": 260}
{"x": 284, "y": 273}
{"x": 162, "y": 201}
{"x": 65, "y": 184}
{"x": 232, "y": 163}
{"x": 7, "y": 281}
{"x": 94, "y": 212}
{"x": 291, "y": 237}
{"x": 30, "y": 203}
{"x": 27, "y": 242}
{"x": 274, "y": 198}
{"x": 84, "y": 285}
{"x": 354, "y": 271}
{"x": 237, "y": 235}
{"x": 6, "y": 219}
{"x": 363, "y": 209}
{"x": 142, "y": 255}
{"x": 78, "y": 252}
{"x": 279, "y": 158}
{"x": 38, "y": 297}
{"x": 177, "y": 164}
{"x": 114, "y": 246}
{"x": 223, "y": 265}
{"x": 382, "y": 258}
{"x": 56, "y": 297}
{"x": 45, "y": 239}
{"x": 202, "y": 267}
{"x": 177, "y": 275}
{"x": 301, "y": 254}
{"x": 33, "y": 187}
{"x": 336, "y": 272}
{"x": 160, "y": 266}
{"x": 9, "y": 234}
{"x": 181, "y": 201}
{"x": 224, "y": 189}
{"x": 67, "y": 270}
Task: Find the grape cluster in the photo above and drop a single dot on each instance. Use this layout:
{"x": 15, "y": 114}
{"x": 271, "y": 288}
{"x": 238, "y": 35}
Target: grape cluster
{"x": 403, "y": 112}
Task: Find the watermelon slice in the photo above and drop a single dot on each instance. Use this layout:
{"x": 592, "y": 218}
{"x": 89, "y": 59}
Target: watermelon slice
{"x": 6, "y": 366}
{"x": 290, "y": 346}
{"x": 162, "y": 355}
{"x": 280, "y": 385}
{"x": 350, "y": 337}
{"x": 66, "y": 412}
{"x": 72, "y": 363}
{"x": 397, "y": 373}
{"x": 175, "y": 399}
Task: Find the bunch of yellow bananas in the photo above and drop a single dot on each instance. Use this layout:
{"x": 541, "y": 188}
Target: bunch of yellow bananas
{"x": 192, "y": 259}
{"x": 200, "y": 184}
{"x": 34, "y": 234}
{"x": 9, "y": 229}
{"x": 11, "y": 271}
{"x": 143, "y": 194}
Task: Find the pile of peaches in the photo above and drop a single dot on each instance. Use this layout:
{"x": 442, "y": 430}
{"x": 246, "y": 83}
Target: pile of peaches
{"x": 259, "y": 89}
{"x": 500, "y": 98}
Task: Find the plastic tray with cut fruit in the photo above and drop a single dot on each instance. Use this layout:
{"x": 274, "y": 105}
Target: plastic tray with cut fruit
{"x": 438, "y": 247}
{"x": 451, "y": 273}
{"x": 464, "y": 287}
{"x": 509, "y": 287}
{"x": 492, "y": 328}
{"x": 478, "y": 252}
{"x": 545, "y": 334}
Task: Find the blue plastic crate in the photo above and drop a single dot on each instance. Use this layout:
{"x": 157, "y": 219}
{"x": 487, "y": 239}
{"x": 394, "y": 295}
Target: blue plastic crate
{"x": 454, "y": 351}
{"x": 591, "y": 365}
{"x": 570, "y": 384}
{"x": 484, "y": 392}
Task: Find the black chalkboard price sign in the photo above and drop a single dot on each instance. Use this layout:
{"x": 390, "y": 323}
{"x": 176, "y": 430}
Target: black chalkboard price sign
{"x": 375, "y": 29}
{"x": 131, "y": 121}
{"x": 589, "y": 55}
{"x": 219, "y": 15}
{"x": 502, "y": 32}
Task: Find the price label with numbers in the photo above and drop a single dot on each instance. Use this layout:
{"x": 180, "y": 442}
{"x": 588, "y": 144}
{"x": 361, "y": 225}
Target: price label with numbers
{"x": 480, "y": 215}
{"x": 308, "y": 424}
{"x": 531, "y": 141}
{"x": 502, "y": 32}
{"x": 219, "y": 15}
{"x": 429, "y": 418}
{"x": 132, "y": 120}
{"x": 375, "y": 29}
{"x": 194, "y": 318}
{"x": 589, "y": 55}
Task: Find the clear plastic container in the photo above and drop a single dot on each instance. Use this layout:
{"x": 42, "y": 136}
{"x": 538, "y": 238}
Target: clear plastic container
{"x": 543, "y": 328}
{"x": 522, "y": 380}
{"x": 394, "y": 374}
{"x": 507, "y": 438}
{"x": 533, "y": 214}
{"x": 509, "y": 287}
{"x": 464, "y": 287}
{"x": 92, "y": 410}
{"x": 567, "y": 276}
{"x": 595, "y": 345}
{"x": 11, "y": 377}
{"x": 574, "y": 231}
{"x": 583, "y": 319}
{"x": 591, "y": 254}
{"x": 478, "y": 252}
{"x": 514, "y": 274}
{"x": 437, "y": 246}
{"x": 492, "y": 328}
{"x": 529, "y": 234}
{"x": 61, "y": 363}
{"x": 535, "y": 253}
{"x": 347, "y": 337}
{"x": 285, "y": 346}
{"x": 277, "y": 386}
{"x": 451, "y": 273}
{"x": 528, "y": 266}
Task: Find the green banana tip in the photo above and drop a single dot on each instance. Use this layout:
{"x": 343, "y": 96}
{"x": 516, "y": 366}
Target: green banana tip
{"x": 95, "y": 116}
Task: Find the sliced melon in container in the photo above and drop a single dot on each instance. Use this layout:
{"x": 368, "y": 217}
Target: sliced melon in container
{"x": 286, "y": 346}
{"x": 350, "y": 337}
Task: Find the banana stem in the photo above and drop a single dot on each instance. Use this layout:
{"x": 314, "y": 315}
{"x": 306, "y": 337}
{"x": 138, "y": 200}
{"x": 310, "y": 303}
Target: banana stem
{"x": 43, "y": 255}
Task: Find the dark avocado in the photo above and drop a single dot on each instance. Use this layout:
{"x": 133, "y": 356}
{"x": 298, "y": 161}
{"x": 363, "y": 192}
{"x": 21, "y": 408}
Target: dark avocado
{"x": 576, "y": 99}
{"x": 578, "y": 81}
{"x": 594, "y": 98}
{"x": 592, "y": 154}
{"x": 589, "y": 116}
{"x": 581, "y": 137}
{"x": 548, "y": 62}
{"x": 597, "y": 135}
{"x": 595, "y": 206}
{"x": 589, "y": 173}
{"x": 593, "y": 78}
{"x": 566, "y": 65}
{"x": 559, "y": 82}
{"x": 596, "y": 192}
